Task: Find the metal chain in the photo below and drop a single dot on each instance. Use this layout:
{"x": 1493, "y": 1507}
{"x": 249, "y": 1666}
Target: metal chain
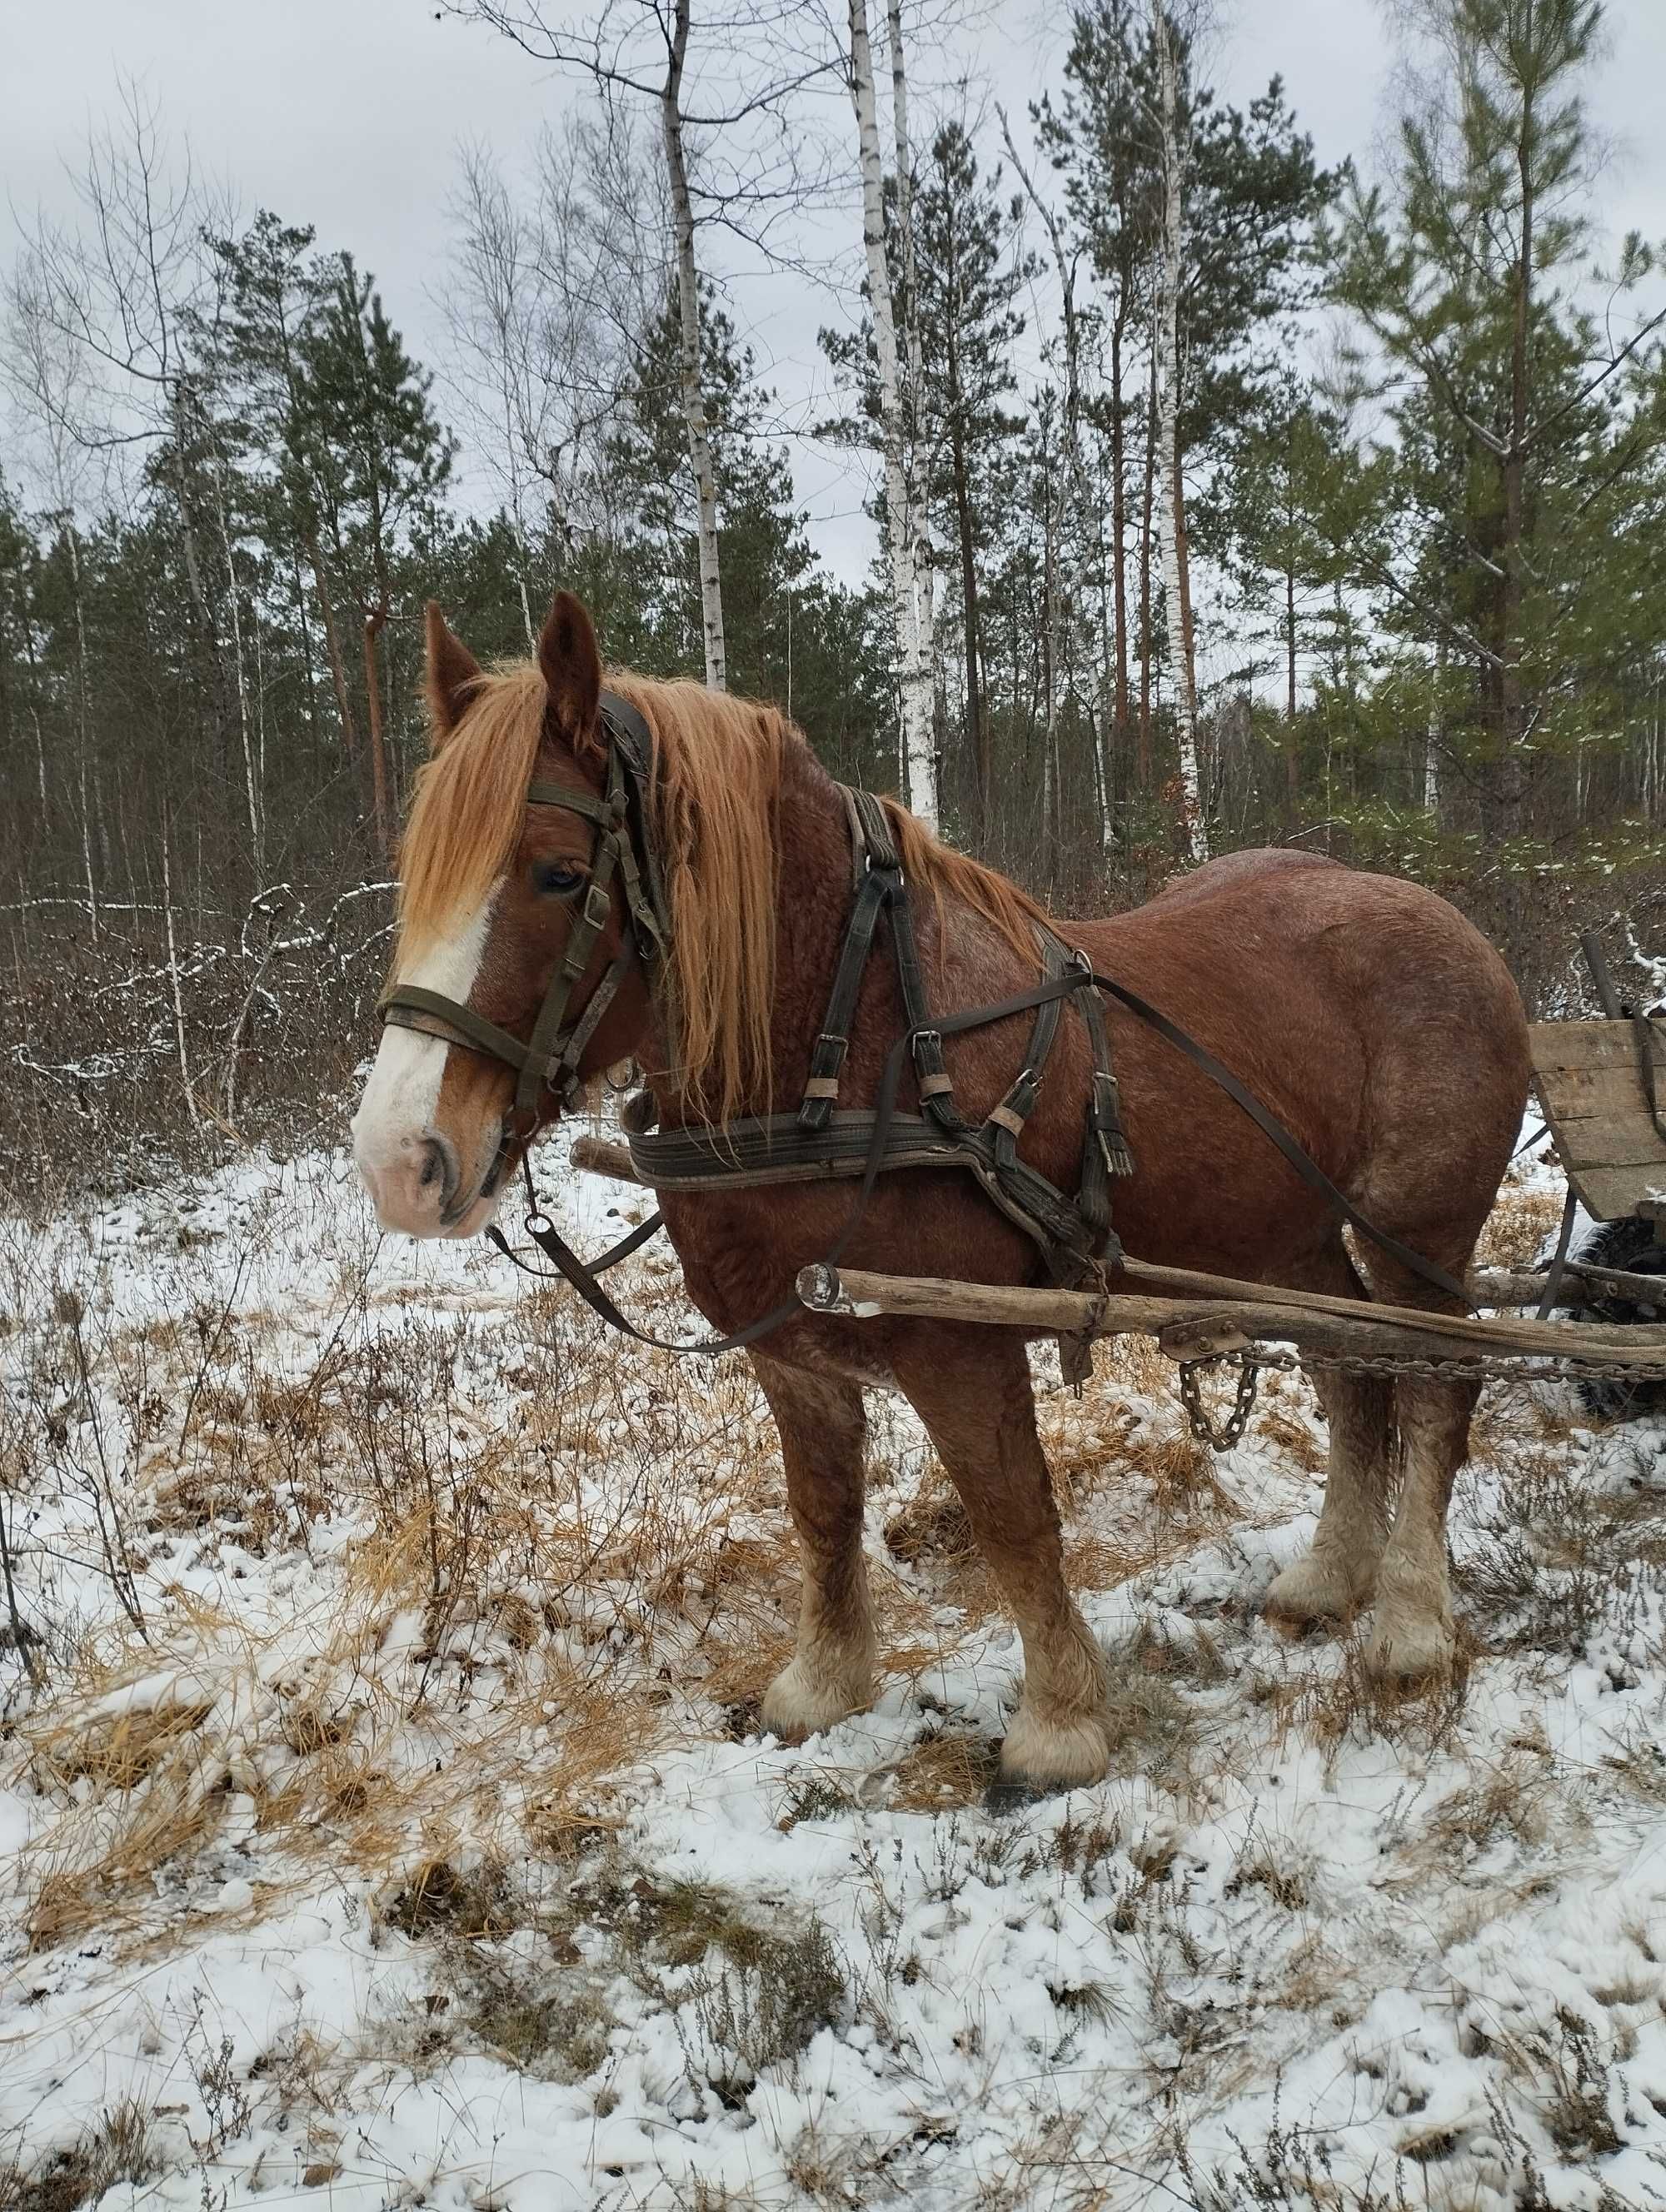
{"x": 1484, "y": 1368}
{"x": 1223, "y": 1435}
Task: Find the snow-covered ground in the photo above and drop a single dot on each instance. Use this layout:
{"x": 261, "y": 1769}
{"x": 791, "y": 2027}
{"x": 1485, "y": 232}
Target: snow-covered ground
{"x": 390, "y": 1826}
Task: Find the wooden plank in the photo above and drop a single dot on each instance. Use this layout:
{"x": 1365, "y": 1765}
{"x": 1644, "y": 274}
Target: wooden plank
{"x": 1611, "y": 1140}
{"x": 1590, "y": 1045}
{"x": 1588, "y": 1085}
{"x": 1585, "y": 1093}
{"x": 1608, "y": 1192}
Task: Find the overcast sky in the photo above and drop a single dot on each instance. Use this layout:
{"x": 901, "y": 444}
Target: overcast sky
{"x": 347, "y": 114}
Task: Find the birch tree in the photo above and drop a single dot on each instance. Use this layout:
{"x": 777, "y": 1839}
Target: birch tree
{"x": 914, "y": 665}
{"x": 550, "y": 302}
{"x": 639, "y": 51}
{"x": 1171, "y": 504}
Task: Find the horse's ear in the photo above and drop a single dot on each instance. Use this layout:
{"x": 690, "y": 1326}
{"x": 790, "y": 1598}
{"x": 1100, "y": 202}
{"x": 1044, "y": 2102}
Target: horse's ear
{"x": 451, "y": 670}
{"x": 572, "y": 669}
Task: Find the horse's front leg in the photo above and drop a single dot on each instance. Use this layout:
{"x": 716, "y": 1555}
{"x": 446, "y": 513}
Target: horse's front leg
{"x": 971, "y": 1389}
{"x": 823, "y": 1430}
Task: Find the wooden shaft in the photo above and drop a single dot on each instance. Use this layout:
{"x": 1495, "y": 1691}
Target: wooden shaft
{"x": 1322, "y": 1324}
{"x": 600, "y": 1156}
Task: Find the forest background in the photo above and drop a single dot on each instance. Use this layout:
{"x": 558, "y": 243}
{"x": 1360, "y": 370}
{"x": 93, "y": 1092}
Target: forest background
{"x": 1180, "y": 480}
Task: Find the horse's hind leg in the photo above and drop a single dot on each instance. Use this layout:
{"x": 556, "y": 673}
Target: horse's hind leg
{"x": 971, "y": 1389}
{"x": 1339, "y": 1574}
{"x": 1412, "y": 1638}
{"x": 823, "y": 1430}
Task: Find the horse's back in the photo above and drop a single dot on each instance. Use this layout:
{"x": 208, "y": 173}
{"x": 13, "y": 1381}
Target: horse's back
{"x": 1233, "y": 870}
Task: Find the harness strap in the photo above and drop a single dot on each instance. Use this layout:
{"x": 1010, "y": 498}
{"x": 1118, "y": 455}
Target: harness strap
{"x": 827, "y": 1054}
{"x": 1006, "y": 1121}
{"x": 413, "y": 1008}
{"x": 544, "y": 1234}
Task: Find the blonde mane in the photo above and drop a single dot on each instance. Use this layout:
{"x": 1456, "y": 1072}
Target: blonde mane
{"x": 714, "y": 791}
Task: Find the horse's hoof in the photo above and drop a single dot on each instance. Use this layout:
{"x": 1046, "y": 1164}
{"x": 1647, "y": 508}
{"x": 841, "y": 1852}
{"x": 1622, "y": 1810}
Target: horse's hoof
{"x": 796, "y": 1706}
{"x": 1312, "y": 1597}
{"x": 1041, "y": 1758}
{"x": 1412, "y": 1655}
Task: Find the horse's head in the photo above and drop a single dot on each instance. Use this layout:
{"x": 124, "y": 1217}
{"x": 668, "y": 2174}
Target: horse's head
{"x": 519, "y": 971}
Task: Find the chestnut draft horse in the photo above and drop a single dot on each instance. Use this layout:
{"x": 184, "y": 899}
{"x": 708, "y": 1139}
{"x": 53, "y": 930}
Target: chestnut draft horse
{"x": 1363, "y": 1011}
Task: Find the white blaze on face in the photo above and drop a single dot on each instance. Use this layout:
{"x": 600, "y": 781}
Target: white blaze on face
{"x": 396, "y": 1115}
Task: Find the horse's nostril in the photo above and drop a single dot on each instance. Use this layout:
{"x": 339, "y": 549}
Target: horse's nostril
{"x": 438, "y": 1168}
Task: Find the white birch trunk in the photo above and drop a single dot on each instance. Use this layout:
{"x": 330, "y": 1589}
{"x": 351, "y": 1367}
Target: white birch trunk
{"x": 925, "y": 564}
{"x": 1194, "y": 829}
{"x": 913, "y": 666}
{"x": 1432, "y": 741}
{"x": 693, "y": 400}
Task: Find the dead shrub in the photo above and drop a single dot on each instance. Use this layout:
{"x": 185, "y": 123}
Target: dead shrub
{"x": 118, "y": 2149}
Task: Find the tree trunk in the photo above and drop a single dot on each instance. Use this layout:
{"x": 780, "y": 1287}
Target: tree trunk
{"x": 1511, "y": 778}
{"x": 1076, "y": 505}
{"x": 1118, "y": 532}
{"x": 175, "y": 991}
{"x": 349, "y": 735}
{"x": 1193, "y": 832}
{"x": 83, "y": 722}
{"x": 925, "y": 566}
{"x": 256, "y": 834}
{"x": 1148, "y": 766}
{"x": 199, "y": 599}
{"x": 977, "y": 735}
{"x": 694, "y": 398}
{"x": 374, "y": 622}
{"x": 914, "y": 665}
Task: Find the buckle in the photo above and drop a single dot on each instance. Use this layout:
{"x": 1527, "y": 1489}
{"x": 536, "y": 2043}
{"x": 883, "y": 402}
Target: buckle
{"x": 598, "y": 906}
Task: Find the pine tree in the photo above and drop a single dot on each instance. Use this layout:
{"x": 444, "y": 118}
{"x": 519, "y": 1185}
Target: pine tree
{"x": 377, "y": 458}
{"x": 1518, "y": 445}
{"x": 970, "y": 272}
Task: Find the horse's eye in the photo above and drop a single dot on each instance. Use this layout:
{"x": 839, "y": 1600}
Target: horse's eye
{"x": 556, "y": 878}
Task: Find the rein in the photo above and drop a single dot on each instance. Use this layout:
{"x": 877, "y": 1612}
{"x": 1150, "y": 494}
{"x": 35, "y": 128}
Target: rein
{"x": 818, "y": 1142}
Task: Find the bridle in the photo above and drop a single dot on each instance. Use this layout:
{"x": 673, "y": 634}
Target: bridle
{"x": 621, "y": 862}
